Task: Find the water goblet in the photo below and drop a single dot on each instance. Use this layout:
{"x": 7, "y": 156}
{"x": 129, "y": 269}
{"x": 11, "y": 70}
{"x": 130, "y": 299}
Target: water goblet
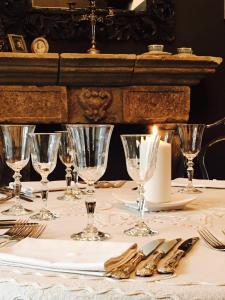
{"x": 44, "y": 152}
{"x": 92, "y": 145}
{"x": 141, "y": 155}
{"x": 66, "y": 155}
{"x": 191, "y": 139}
{"x": 17, "y": 154}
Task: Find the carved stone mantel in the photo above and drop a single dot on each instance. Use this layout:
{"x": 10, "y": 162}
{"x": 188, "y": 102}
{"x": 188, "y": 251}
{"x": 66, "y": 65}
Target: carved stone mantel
{"x": 106, "y": 88}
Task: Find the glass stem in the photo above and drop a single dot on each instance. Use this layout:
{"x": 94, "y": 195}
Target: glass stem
{"x": 44, "y": 193}
{"x": 76, "y": 190}
{"x": 190, "y": 171}
{"x": 90, "y": 205}
{"x": 17, "y": 186}
{"x": 141, "y": 202}
{"x": 68, "y": 180}
{"x": 75, "y": 176}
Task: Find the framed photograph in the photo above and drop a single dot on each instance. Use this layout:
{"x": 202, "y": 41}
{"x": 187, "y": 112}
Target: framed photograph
{"x": 40, "y": 45}
{"x": 17, "y": 43}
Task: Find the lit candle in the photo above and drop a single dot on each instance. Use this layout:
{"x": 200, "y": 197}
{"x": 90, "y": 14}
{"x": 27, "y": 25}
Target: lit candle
{"x": 157, "y": 189}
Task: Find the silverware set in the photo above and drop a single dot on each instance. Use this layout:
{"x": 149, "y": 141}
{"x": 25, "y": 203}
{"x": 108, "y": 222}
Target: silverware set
{"x": 8, "y": 223}
{"x": 145, "y": 261}
{"x": 20, "y": 230}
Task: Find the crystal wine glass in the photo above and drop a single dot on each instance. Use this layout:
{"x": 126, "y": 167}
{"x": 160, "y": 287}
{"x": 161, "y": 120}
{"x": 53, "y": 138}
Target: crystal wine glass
{"x": 66, "y": 155}
{"x": 92, "y": 145}
{"x": 141, "y": 155}
{"x": 17, "y": 154}
{"x": 191, "y": 139}
{"x": 44, "y": 152}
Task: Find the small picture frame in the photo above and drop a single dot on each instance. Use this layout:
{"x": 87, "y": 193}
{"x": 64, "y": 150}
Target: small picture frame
{"x": 40, "y": 45}
{"x": 17, "y": 43}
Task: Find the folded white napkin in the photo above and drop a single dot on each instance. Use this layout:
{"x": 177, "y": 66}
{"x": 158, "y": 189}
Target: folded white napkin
{"x": 61, "y": 255}
{"x": 204, "y": 183}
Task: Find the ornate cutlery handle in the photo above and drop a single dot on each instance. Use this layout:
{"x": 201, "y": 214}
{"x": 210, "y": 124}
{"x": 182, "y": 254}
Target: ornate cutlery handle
{"x": 151, "y": 263}
{"x": 116, "y": 262}
{"x": 171, "y": 263}
{"x": 125, "y": 270}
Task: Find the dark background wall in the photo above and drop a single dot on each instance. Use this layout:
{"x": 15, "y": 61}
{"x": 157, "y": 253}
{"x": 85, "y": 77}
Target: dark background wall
{"x": 200, "y": 25}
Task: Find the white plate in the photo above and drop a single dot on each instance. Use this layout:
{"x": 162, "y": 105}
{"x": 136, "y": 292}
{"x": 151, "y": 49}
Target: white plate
{"x": 178, "y": 201}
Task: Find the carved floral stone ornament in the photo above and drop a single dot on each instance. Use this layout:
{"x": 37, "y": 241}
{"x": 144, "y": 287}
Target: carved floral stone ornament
{"x": 95, "y": 103}
{"x": 152, "y": 21}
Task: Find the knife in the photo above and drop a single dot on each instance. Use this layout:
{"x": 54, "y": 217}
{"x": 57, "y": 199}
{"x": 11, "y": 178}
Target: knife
{"x": 124, "y": 271}
{"x": 10, "y": 194}
{"x": 149, "y": 265}
{"x": 169, "y": 265}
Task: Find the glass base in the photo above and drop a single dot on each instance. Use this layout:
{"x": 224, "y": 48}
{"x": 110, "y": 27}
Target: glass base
{"x": 140, "y": 229}
{"x": 190, "y": 190}
{"x": 76, "y": 194}
{"x": 17, "y": 210}
{"x": 44, "y": 214}
{"x": 66, "y": 197}
{"x": 90, "y": 233}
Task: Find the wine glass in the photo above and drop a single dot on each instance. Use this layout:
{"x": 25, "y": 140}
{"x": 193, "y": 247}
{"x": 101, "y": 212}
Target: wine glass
{"x": 191, "y": 139}
{"x": 17, "y": 154}
{"x": 44, "y": 152}
{"x": 141, "y": 155}
{"x": 92, "y": 145}
{"x": 66, "y": 155}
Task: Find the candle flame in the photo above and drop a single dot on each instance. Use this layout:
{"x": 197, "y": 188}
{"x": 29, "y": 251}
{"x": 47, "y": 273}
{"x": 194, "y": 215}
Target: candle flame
{"x": 154, "y": 130}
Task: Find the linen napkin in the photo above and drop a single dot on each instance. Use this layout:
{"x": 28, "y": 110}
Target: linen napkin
{"x": 61, "y": 255}
{"x": 201, "y": 183}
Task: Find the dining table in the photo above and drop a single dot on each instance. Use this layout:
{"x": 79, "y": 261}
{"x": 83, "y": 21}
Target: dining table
{"x": 199, "y": 275}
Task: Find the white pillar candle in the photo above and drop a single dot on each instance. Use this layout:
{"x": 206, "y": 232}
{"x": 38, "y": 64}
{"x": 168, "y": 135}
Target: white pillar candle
{"x": 157, "y": 189}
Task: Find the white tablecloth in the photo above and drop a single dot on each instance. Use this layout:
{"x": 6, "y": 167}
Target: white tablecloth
{"x": 200, "y": 275}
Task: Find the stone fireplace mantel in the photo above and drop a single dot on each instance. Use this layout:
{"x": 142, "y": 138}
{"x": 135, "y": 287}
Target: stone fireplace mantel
{"x": 106, "y": 88}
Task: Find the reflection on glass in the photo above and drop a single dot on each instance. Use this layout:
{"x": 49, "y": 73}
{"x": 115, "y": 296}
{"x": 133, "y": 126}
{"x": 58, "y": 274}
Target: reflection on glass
{"x": 17, "y": 154}
{"x": 191, "y": 139}
{"x": 141, "y": 155}
{"x": 92, "y": 146}
{"x": 66, "y": 155}
{"x": 44, "y": 152}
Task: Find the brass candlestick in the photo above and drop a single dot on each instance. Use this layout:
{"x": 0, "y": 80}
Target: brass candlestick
{"x": 93, "y": 15}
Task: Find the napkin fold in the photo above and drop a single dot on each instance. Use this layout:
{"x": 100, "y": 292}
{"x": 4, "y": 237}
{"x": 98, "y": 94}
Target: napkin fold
{"x": 61, "y": 255}
{"x": 201, "y": 183}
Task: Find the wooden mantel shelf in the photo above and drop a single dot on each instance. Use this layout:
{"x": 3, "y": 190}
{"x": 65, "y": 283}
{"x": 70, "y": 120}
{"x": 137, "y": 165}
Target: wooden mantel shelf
{"x": 106, "y": 88}
{"x": 74, "y": 69}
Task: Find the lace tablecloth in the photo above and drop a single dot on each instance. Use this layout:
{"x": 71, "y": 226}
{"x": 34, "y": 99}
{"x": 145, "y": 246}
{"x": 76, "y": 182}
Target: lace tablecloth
{"x": 200, "y": 275}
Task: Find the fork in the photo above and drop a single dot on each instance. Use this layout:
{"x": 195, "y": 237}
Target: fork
{"x": 16, "y": 228}
{"x": 211, "y": 240}
{"x": 28, "y": 231}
